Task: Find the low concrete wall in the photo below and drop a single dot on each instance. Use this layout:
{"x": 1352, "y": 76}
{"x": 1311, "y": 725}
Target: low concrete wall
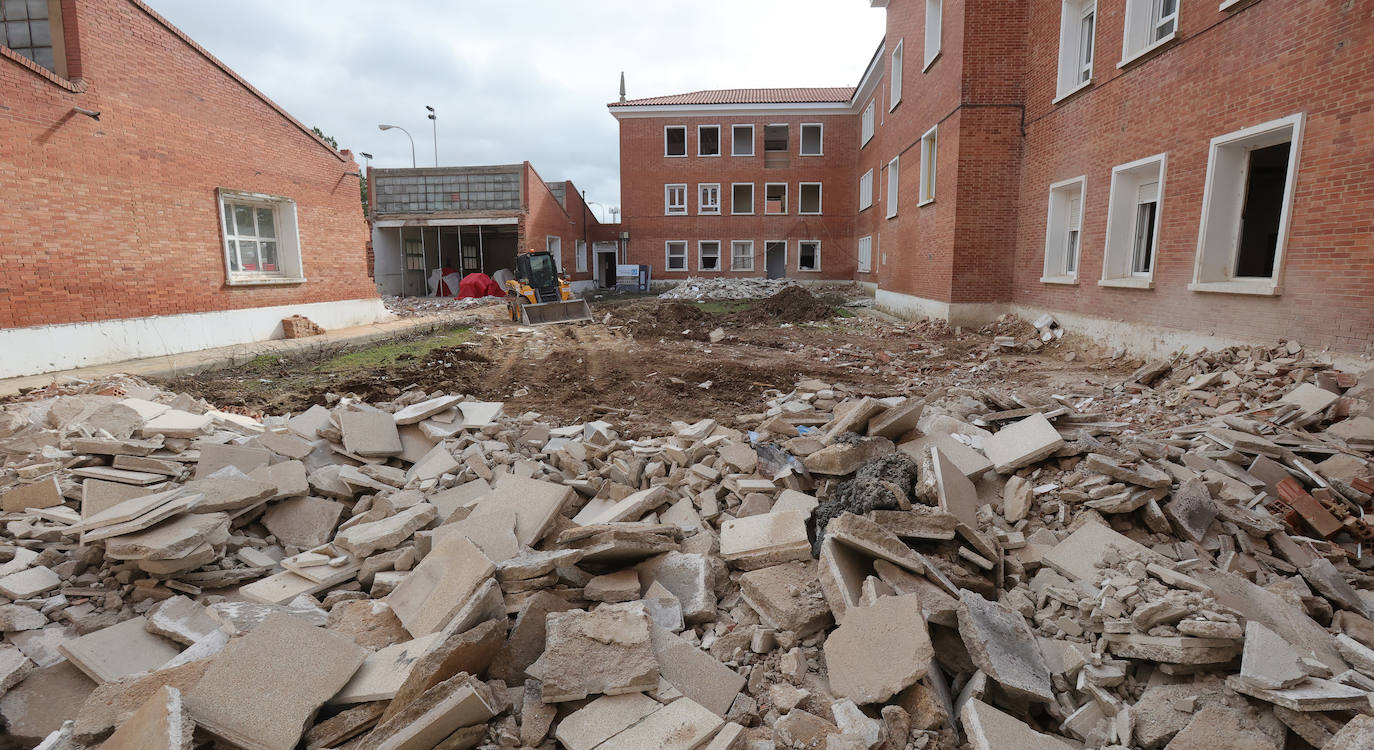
{"x": 956, "y": 313}
{"x": 39, "y": 349}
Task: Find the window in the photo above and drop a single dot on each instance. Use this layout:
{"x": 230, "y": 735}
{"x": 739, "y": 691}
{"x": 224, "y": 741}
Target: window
{"x": 742, "y": 198}
{"x": 812, "y": 137}
{"x": 934, "y": 19}
{"x": 708, "y": 255}
{"x": 895, "y": 79}
{"x": 675, "y": 200}
{"x": 809, "y": 198}
{"x": 893, "y": 175}
{"x": 742, "y": 140}
{"x": 866, "y": 190}
{"x": 929, "y": 147}
{"x": 581, "y": 256}
{"x": 1246, "y": 207}
{"x": 742, "y": 255}
{"x": 30, "y": 32}
{"x": 1077, "y": 30}
{"x": 675, "y": 253}
{"x": 1064, "y": 231}
{"x": 775, "y": 198}
{"x": 776, "y": 146}
{"x": 1133, "y": 222}
{"x": 866, "y": 129}
{"x": 415, "y": 254}
{"x": 675, "y": 140}
{"x": 809, "y": 255}
{"x": 554, "y": 245}
{"x": 708, "y": 140}
{"x": 261, "y": 241}
{"x": 1149, "y": 23}
{"x": 865, "y": 254}
{"x": 708, "y": 198}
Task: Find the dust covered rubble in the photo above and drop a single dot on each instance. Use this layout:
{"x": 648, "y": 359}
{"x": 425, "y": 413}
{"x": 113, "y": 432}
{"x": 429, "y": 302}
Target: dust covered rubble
{"x": 1170, "y": 561}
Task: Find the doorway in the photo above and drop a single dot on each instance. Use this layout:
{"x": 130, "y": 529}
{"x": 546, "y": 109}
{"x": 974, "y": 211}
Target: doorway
{"x": 604, "y": 271}
{"x": 775, "y": 259}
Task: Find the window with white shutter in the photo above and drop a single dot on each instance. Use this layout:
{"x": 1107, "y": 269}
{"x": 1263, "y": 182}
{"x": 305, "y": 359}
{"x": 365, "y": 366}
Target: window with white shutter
{"x": 1133, "y": 221}
{"x": 1064, "y": 232}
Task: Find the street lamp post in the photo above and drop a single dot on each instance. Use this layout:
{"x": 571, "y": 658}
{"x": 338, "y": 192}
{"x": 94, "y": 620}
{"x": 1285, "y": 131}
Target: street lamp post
{"x": 434, "y": 121}
{"x": 407, "y": 132}
{"x": 367, "y": 160}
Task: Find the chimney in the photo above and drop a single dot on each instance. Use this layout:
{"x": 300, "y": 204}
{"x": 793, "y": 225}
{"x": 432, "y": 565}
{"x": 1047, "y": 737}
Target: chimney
{"x": 622, "y": 87}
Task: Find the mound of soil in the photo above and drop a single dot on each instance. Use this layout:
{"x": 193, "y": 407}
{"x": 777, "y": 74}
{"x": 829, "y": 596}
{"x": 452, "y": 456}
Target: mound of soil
{"x": 792, "y": 305}
{"x": 668, "y": 319}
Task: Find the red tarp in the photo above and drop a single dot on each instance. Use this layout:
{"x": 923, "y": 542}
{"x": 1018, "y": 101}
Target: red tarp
{"x": 479, "y": 285}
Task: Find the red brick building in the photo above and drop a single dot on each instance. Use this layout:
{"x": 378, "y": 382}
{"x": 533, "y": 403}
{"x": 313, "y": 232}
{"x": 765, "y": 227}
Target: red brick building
{"x": 1157, "y": 172}
{"x": 155, "y": 202}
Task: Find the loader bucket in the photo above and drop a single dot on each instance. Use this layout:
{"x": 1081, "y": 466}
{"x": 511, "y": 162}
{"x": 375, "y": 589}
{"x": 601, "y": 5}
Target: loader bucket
{"x": 572, "y": 311}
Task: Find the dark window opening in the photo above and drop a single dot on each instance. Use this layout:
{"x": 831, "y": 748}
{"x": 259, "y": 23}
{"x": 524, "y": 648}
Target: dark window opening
{"x": 775, "y": 138}
{"x": 1259, "y": 221}
{"x": 708, "y": 141}
{"x": 675, "y": 141}
{"x": 1143, "y": 251}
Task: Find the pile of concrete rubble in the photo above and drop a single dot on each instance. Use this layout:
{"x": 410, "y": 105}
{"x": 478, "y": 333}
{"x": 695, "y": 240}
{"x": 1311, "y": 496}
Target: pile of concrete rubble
{"x": 701, "y": 289}
{"x": 840, "y": 570}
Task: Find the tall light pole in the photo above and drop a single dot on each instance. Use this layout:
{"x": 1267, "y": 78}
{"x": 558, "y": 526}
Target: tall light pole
{"x": 434, "y": 121}
{"x": 407, "y": 132}
{"x": 367, "y": 160}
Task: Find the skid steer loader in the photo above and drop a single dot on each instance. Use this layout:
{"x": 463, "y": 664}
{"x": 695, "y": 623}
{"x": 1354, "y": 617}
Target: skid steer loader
{"x": 539, "y": 295}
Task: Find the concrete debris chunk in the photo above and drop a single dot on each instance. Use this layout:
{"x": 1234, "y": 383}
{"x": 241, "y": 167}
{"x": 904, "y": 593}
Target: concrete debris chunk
{"x": 879, "y": 650}
{"x": 440, "y": 585}
{"x": 161, "y": 723}
{"x": 1268, "y": 660}
{"x": 615, "y": 636}
{"x": 1022, "y": 443}
{"x": 683, "y": 724}
{"x": 990, "y": 729}
{"x": 764, "y": 540}
{"x": 1001, "y": 644}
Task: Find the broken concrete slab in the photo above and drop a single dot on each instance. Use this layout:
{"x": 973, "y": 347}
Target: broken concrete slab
{"x": 440, "y": 585}
{"x": 493, "y": 532}
{"x": 764, "y": 540}
{"x": 616, "y": 636}
{"x": 1192, "y": 510}
{"x": 180, "y": 619}
{"x": 1002, "y": 645}
{"x": 632, "y": 507}
{"x": 1080, "y": 554}
{"x": 384, "y": 671}
{"x": 1022, "y": 443}
{"x": 787, "y": 597}
{"x": 1173, "y": 649}
{"x": 683, "y": 724}
{"x": 1144, "y": 475}
{"x": 695, "y": 673}
{"x": 620, "y": 586}
{"x": 603, "y": 718}
{"x": 216, "y": 456}
{"x": 365, "y": 539}
{"x": 879, "y": 650}
{"x": 458, "y": 649}
{"x": 29, "y": 583}
{"x": 304, "y": 522}
{"x": 39, "y": 705}
{"x": 119, "y": 650}
{"x": 229, "y": 494}
{"x": 1315, "y": 694}
{"x": 536, "y": 504}
{"x": 161, "y": 723}
{"x": 176, "y": 537}
{"x": 1268, "y": 660}
{"x": 282, "y": 650}
{"x": 969, "y": 461}
{"x": 689, "y": 577}
{"x": 41, "y": 494}
{"x": 175, "y": 423}
{"x": 898, "y": 420}
{"x": 369, "y": 433}
{"x": 990, "y": 729}
{"x": 425, "y": 409}
{"x": 1357, "y": 734}
{"x": 444, "y": 709}
{"x": 839, "y": 459}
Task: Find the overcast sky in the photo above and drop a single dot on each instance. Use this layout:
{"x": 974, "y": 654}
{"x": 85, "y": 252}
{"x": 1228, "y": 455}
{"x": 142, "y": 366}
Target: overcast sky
{"x": 518, "y": 79}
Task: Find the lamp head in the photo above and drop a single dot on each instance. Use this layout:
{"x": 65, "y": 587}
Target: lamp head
{"x": 385, "y": 127}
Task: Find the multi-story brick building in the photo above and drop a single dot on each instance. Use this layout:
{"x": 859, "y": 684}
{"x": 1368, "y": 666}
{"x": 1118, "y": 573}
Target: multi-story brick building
{"x": 1157, "y": 172}
{"x": 155, "y": 202}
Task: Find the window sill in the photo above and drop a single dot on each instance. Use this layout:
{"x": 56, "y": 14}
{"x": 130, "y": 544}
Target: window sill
{"x": 76, "y": 86}
{"x": 708, "y": 156}
{"x": 1147, "y": 51}
{"x": 893, "y": 106}
{"x": 741, "y": 213}
{"x": 1130, "y": 282}
{"x": 1258, "y": 287}
{"x": 775, "y": 213}
{"x": 808, "y": 270}
{"x": 930, "y": 62}
{"x": 740, "y": 156}
{"x": 263, "y": 281}
{"x": 808, "y": 213}
{"x": 1070, "y": 280}
{"x": 675, "y": 156}
{"x": 810, "y": 154}
{"x": 925, "y": 202}
{"x": 891, "y": 216}
{"x": 679, "y": 213}
{"x": 708, "y": 213}
{"x": 1229, "y": 4}
{"x": 1071, "y": 92}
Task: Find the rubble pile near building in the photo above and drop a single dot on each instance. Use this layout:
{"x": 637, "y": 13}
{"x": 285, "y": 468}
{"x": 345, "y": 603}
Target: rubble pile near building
{"x": 1175, "y": 561}
{"x": 718, "y": 288}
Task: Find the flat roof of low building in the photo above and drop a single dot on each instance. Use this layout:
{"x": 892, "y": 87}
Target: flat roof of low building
{"x": 827, "y": 95}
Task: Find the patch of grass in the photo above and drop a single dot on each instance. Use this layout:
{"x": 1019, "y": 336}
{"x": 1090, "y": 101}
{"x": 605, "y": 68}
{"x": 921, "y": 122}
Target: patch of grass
{"x": 844, "y": 312}
{"x": 726, "y": 306}
{"x": 389, "y": 354}
{"x": 263, "y": 362}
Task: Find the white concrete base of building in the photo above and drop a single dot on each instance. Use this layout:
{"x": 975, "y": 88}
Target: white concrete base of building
{"x": 39, "y": 349}
{"x": 956, "y": 313}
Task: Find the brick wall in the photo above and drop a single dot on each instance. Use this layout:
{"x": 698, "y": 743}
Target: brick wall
{"x": 547, "y": 216}
{"x": 644, "y": 170}
{"x": 119, "y": 218}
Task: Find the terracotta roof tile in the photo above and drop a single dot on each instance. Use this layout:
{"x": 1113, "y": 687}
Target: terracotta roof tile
{"x": 830, "y": 95}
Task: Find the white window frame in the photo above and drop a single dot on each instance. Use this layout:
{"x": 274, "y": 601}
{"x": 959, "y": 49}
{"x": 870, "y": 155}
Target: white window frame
{"x": 701, "y": 255}
{"x": 554, "y": 244}
{"x": 801, "y": 197}
{"x": 801, "y": 142}
{"x": 734, "y": 266}
{"x": 895, "y": 77}
{"x": 934, "y": 8}
{"x": 720, "y": 143}
{"x": 669, "y": 256}
{"x": 705, "y": 207}
{"x": 1223, "y": 199}
{"x": 817, "y": 243}
{"x": 867, "y": 127}
{"x": 733, "y": 208}
{"x": 682, "y": 155}
{"x": 786, "y": 197}
{"x": 581, "y": 256}
{"x": 734, "y": 139}
{"x": 1060, "y": 227}
{"x": 290, "y": 267}
{"x": 1122, "y": 220}
{"x": 894, "y": 184}
{"x": 930, "y": 152}
{"x": 866, "y": 191}
{"x": 1071, "y": 47}
{"x": 669, "y": 207}
{"x": 1141, "y": 33}
{"x": 865, "y": 254}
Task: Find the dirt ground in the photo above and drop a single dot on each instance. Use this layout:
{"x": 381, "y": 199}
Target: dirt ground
{"x": 647, "y": 362}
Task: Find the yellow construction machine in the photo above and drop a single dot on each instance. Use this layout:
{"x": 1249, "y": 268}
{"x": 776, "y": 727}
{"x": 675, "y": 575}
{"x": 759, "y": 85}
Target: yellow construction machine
{"x": 539, "y": 294}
